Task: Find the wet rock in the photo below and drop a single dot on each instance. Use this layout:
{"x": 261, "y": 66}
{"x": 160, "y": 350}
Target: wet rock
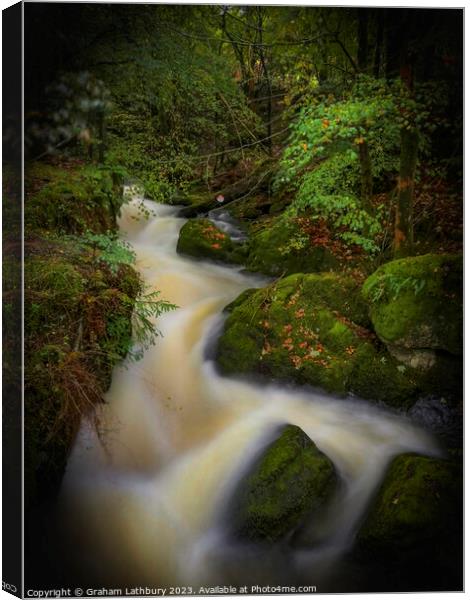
{"x": 417, "y": 359}
{"x": 415, "y": 522}
{"x": 196, "y": 204}
{"x": 201, "y": 238}
{"x": 313, "y": 329}
{"x": 416, "y": 307}
{"x": 438, "y": 415}
{"x": 291, "y": 479}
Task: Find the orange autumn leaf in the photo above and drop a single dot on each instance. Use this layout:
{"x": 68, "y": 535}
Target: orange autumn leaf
{"x": 287, "y": 344}
{"x": 296, "y": 361}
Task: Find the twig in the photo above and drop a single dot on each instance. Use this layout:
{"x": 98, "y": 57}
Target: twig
{"x": 78, "y": 341}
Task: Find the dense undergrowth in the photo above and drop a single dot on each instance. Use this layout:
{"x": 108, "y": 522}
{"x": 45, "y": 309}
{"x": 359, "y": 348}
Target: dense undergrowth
{"x": 85, "y": 309}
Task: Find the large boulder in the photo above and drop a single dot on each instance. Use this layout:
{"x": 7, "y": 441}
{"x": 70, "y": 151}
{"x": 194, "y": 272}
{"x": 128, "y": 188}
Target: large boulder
{"x": 313, "y": 329}
{"x": 201, "y": 238}
{"x": 291, "y": 480}
{"x": 414, "y": 524}
{"x": 416, "y": 307}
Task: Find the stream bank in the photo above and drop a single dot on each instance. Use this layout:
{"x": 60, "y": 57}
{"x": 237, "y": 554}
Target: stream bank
{"x": 80, "y": 294}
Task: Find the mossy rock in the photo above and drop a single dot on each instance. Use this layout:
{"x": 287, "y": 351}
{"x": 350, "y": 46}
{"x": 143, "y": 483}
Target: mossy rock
{"x": 200, "y": 238}
{"x": 196, "y": 203}
{"x": 415, "y": 522}
{"x": 313, "y": 329}
{"x": 271, "y": 251}
{"x": 416, "y": 303}
{"x": 72, "y": 200}
{"x": 291, "y": 480}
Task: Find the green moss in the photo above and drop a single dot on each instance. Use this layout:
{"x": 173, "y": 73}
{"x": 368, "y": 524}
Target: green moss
{"x": 75, "y": 335}
{"x": 200, "y": 238}
{"x": 57, "y": 277}
{"x": 313, "y": 329}
{"x": 417, "y": 302}
{"x": 72, "y": 200}
{"x": 271, "y": 251}
{"x": 412, "y": 536}
{"x": 78, "y": 325}
{"x": 418, "y": 505}
{"x": 197, "y": 202}
{"x": 378, "y": 376}
{"x": 290, "y": 480}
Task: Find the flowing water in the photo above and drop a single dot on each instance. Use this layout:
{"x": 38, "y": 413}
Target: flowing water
{"x": 144, "y": 505}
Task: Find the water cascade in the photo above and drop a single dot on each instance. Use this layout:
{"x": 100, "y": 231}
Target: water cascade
{"x": 144, "y": 501}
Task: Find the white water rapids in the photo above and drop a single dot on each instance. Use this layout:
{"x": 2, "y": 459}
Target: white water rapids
{"x": 145, "y": 505}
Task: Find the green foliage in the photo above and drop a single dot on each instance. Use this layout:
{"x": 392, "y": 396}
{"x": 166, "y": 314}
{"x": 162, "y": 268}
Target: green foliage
{"x": 373, "y": 112}
{"x": 147, "y": 308}
{"x": 297, "y": 242}
{"x": 158, "y": 190}
{"x": 107, "y": 248}
{"x": 392, "y": 285}
{"x": 352, "y": 224}
{"x": 368, "y": 114}
{"x": 329, "y": 192}
{"x": 322, "y": 160}
{"x": 120, "y": 339}
{"x": 178, "y": 99}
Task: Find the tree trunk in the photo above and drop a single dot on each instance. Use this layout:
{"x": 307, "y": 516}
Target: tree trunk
{"x": 362, "y": 37}
{"x": 366, "y": 177}
{"x": 267, "y": 79}
{"x": 403, "y": 236}
{"x": 379, "y": 42}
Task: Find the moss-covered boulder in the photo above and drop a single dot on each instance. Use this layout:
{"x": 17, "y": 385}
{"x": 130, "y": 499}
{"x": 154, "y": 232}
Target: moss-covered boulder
{"x": 200, "y": 238}
{"x": 417, "y": 501}
{"x": 292, "y": 479}
{"x": 313, "y": 329}
{"x": 416, "y": 307}
{"x": 196, "y": 203}
{"x": 415, "y": 522}
{"x": 72, "y": 200}
{"x": 281, "y": 249}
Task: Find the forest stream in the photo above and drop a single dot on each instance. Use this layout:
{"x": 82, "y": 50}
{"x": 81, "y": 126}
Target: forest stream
{"x": 145, "y": 502}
